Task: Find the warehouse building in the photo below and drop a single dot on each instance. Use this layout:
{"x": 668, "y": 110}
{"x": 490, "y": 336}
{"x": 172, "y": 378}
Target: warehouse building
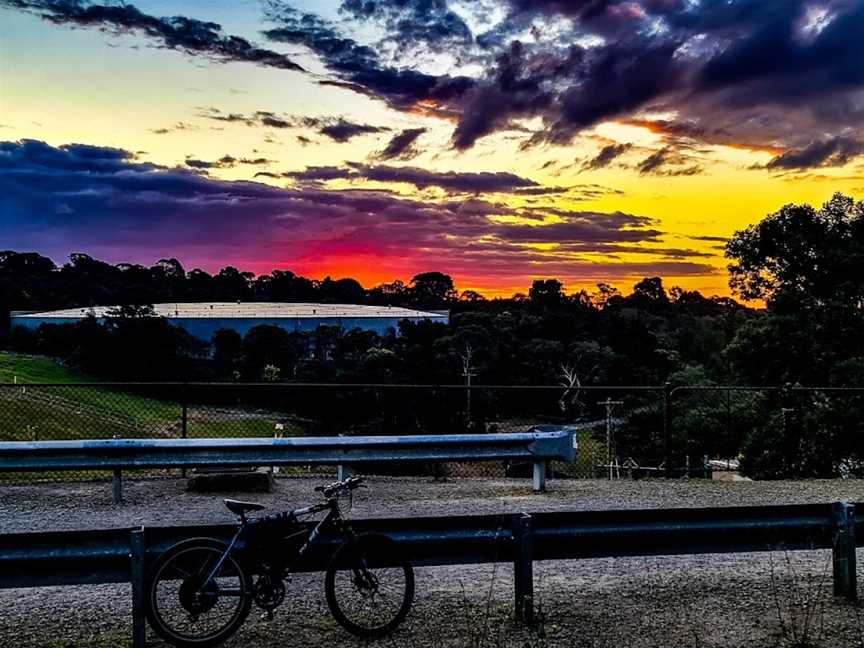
{"x": 202, "y": 320}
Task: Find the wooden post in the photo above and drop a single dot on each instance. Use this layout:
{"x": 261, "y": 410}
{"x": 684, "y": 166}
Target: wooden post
{"x": 523, "y": 567}
{"x": 539, "y": 476}
{"x": 136, "y": 555}
{"x": 843, "y": 554}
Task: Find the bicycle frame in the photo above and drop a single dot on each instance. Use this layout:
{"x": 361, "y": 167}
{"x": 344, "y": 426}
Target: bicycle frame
{"x": 333, "y": 517}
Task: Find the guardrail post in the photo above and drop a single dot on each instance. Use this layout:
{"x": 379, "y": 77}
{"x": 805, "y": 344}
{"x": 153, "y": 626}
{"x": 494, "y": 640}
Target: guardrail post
{"x": 136, "y": 555}
{"x": 843, "y": 554}
{"x": 118, "y": 479}
{"x": 523, "y": 567}
{"x": 539, "y": 476}
{"x": 343, "y": 472}
{"x": 118, "y": 486}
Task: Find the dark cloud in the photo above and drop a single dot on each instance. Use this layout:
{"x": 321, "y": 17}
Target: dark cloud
{"x": 777, "y": 58}
{"x": 606, "y": 156}
{"x": 715, "y": 239}
{"x": 667, "y": 162}
{"x": 401, "y": 147}
{"x": 179, "y": 126}
{"x": 451, "y": 181}
{"x": 834, "y": 151}
{"x": 338, "y": 129}
{"x": 515, "y": 88}
{"x": 766, "y": 72}
{"x": 461, "y": 182}
{"x": 611, "y": 81}
{"x": 258, "y": 118}
{"x": 410, "y": 23}
{"x": 104, "y": 201}
{"x": 586, "y": 227}
{"x": 218, "y": 115}
{"x": 271, "y": 120}
{"x": 174, "y": 32}
{"x": 321, "y": 174}
{"x": 753, "y": 73}
{"x": 343, "y": 130}
{"x": 225, "y": 162}
{"x": 653, "y": 162}
{"x": 358, "y": 66}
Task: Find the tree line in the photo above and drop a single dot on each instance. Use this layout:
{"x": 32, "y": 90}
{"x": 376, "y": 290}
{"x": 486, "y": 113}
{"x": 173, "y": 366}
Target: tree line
{"x": 804, "y": 265}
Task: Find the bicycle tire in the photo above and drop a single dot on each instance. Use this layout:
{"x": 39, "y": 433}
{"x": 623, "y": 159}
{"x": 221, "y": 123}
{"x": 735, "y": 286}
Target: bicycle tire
{"x": 379, "y": 549}
{"x": 154, "y": 615}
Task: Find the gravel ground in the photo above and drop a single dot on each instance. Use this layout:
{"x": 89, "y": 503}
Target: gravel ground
{"x": 715, "y": 601}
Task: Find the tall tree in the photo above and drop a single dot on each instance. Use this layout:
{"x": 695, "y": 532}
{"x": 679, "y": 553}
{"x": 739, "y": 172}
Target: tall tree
{"x": 433, "y": 290}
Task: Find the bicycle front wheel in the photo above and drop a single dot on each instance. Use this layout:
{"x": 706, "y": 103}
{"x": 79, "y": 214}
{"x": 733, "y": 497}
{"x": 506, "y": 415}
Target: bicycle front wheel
{"x": 192, "y": 599}
{"x": 369, "y": 585}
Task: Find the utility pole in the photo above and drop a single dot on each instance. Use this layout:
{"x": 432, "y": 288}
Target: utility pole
{"x": 610, "y": 406}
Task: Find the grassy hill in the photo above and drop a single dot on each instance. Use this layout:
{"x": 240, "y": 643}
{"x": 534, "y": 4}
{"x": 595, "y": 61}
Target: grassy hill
{"x": 74, "y": 411}
{"x": 36, "y": 369}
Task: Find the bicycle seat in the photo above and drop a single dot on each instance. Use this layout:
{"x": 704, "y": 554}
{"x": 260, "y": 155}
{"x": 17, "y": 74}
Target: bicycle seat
{"x": 241, "y": 508}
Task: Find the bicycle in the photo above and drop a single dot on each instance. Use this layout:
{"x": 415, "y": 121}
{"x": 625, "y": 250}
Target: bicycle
{"x": 200, "y": 591}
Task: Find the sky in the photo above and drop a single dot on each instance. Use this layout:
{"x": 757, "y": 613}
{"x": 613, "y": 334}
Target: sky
{"x": 497, "y": 141}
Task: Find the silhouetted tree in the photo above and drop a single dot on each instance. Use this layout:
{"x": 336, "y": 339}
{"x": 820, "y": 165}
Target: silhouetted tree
{"x": 432, "y": 290}
{"x": 546, "y": 293}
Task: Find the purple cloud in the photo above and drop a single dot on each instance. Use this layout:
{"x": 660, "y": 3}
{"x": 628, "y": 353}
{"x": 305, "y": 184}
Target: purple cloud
{"x": 106, "y": 202}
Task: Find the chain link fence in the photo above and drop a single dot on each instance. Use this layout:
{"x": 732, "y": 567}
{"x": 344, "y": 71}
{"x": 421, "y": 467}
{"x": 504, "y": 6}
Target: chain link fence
{"x": 622, "y": 432}
{"x": 769, "y": 432}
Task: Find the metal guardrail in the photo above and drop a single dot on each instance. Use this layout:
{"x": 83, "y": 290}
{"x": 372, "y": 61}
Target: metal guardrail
{"x": 121, "y": 555}
{"x": 540, "y": 445}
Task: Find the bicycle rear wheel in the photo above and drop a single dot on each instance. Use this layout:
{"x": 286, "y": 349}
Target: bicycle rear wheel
{"x": 186, "y": 606}
{"x": 369, "y": 585}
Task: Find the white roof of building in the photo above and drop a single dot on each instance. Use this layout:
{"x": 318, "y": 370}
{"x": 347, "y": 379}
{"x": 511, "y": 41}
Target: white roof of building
{"x": 250, "y": 309}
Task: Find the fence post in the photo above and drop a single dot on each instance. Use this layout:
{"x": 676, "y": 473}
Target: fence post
{"x": 136, "y": 555}
{"x": 539, "y": 476}
{"x": 667, "y": 428}
{"x": 843, "y": 552}
{"x": 523, "y": 567}
{"x": 184, "y": 421}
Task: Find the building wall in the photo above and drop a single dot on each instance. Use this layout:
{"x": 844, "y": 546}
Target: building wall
{"x": 204, "y": 327}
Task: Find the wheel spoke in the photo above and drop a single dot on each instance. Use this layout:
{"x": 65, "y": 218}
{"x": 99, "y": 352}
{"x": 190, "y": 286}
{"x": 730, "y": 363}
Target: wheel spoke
{"x": 368, "y": 597}
{"x": 193, "y": 608}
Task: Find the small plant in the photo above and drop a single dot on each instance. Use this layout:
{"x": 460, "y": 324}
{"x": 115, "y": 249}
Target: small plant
{"x": 799, "y": 603}
{"x": 272, "y": 373}
{"x": 490, "y": 626}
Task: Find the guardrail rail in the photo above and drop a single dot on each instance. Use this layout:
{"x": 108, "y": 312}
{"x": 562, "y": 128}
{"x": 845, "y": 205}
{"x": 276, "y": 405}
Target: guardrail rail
{"x": 121, "y": 555}
{"x": 539, "y": 445}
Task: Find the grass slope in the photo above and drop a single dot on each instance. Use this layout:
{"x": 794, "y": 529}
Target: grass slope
{"x": 36, "y": 369}
{"x": 72, "y": 411}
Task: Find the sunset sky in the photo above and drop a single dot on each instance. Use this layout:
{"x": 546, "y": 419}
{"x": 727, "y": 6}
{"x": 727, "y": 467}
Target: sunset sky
{"x": 500, "y": 142}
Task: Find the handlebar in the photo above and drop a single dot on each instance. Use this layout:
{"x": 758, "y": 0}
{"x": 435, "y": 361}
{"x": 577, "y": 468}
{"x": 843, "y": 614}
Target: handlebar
{"x": 347, "y": 484}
